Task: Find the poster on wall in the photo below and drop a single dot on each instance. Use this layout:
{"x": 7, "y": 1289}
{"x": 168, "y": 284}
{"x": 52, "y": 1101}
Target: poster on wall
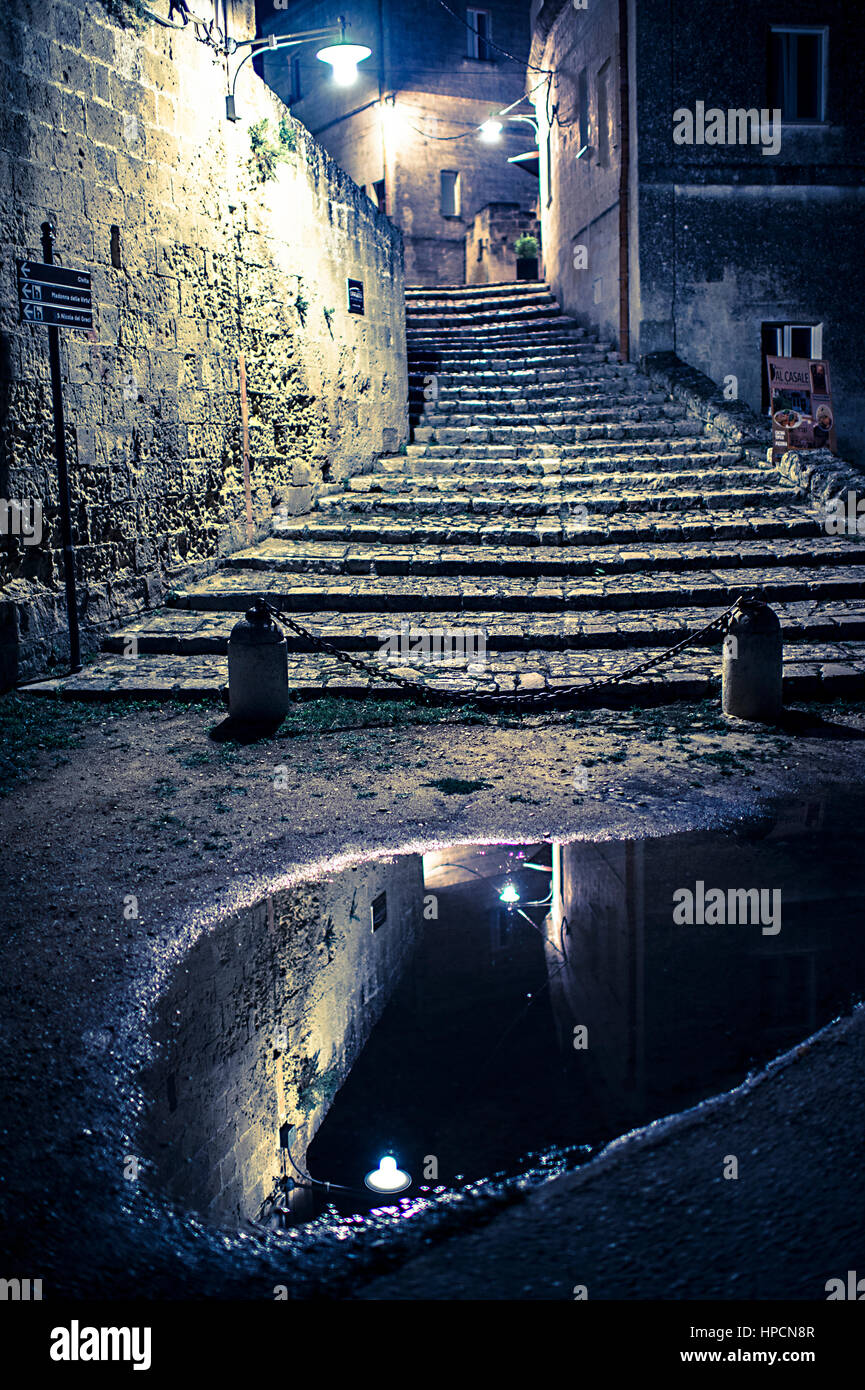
{"x": 800, "y": 396}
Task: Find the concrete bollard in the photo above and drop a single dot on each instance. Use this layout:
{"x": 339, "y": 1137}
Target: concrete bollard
{"x": 257, "y": 668}
{"x": 752, "y": 662}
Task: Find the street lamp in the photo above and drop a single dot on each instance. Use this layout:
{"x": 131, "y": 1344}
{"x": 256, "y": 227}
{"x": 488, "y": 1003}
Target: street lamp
{"x": 342, "y": 55}
{"x": 344, "y": 58}
{"x": 490, "y": 130}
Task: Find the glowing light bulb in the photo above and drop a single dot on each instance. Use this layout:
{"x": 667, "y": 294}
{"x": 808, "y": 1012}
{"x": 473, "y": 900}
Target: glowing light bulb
{"x": 490, "y": 130}
{"x": 387, "y": 1177}
{"x": 344, "y": 58}
{"x": 509, "y": 895}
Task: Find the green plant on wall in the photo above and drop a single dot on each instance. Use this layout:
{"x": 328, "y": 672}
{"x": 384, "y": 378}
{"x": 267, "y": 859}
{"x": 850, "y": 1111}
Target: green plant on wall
{"x": 129, "y": 13}
{"x": 267, "y": 150}
{"x": 321, "y": 1090}
{"x": 301, "y": 304}
{"x": 526, "y": 247}
{"x": 328, "y": 318}
{"x": 287, "y": 135}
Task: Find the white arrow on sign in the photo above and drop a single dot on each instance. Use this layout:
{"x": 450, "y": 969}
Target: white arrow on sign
{"x": 33, "y": 311}
{"x": 31, "y": 291}
{"x": 25, "y": 270}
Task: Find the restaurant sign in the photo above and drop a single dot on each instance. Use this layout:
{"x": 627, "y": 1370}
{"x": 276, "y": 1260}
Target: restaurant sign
{"x": 800, "y": 397}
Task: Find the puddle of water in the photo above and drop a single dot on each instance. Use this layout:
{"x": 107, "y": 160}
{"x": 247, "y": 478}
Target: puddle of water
{"x": 493, "y": 1011}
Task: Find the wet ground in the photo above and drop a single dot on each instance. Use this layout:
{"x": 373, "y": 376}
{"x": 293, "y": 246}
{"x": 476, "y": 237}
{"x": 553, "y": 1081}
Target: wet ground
{"x": 201, "y": 827}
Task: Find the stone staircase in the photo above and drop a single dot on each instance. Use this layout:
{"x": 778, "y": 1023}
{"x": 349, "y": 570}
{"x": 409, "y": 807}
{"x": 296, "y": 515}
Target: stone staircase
{"x": 572, "y": 517}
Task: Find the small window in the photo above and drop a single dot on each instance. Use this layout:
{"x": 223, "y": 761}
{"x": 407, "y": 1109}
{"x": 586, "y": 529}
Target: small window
{"x": 583, "y": 100}
{"x": 797, "y": 73}
{"x": 603, "y": 116}
{"x": 549, "y": 149}
{"x": 480, "y": 34}
{"x": 378, "y": 911}
{"x": 450, "y": 193}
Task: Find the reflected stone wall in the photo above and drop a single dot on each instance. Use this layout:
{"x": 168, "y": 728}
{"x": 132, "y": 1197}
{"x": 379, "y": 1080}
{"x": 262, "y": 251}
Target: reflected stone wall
{"x": 260, "y": 1027}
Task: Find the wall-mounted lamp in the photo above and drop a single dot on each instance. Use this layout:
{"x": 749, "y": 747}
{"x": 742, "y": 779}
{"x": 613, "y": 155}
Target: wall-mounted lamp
{"x": 342, "y": 55}
{"x": 509, "y": 895}
{"x": 491, "y": 129}
{"x": 344, "y": 58}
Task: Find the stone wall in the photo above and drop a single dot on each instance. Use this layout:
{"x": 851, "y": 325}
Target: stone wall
{"x": 261, "y": 1025}
{"x": 724, "y": 240}
{"x": 201, "y": 250}
{"x": 490, "y": 255}
{"x": 579, "y": 169}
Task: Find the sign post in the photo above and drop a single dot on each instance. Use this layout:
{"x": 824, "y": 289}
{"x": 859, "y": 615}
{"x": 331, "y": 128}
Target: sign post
{"x": 51, "y": 296}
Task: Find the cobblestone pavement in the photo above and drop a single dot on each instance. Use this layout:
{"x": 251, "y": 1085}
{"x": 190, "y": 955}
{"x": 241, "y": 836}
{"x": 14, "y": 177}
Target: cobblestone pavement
{"x": 555, "y": 520}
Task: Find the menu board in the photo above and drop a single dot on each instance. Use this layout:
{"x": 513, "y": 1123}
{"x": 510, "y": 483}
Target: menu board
{"x": 800, "y": 395}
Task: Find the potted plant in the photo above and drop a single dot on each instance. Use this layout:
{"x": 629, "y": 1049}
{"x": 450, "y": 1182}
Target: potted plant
{"x": 526, "y": 248}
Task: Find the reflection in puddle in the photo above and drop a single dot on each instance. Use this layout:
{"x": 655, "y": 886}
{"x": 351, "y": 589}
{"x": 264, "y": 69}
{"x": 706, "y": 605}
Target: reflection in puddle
{"x": 493, "y": 1009}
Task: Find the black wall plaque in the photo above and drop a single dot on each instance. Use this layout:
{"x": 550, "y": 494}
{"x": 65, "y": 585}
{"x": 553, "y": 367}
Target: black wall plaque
{"x": 355, "y": 296}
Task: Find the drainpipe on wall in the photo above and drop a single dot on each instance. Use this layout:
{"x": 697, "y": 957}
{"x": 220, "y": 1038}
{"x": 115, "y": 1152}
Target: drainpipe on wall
{"x": 624, "y": 188}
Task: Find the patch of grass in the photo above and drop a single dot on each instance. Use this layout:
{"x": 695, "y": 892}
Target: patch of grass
{"x": 457, "y": 786}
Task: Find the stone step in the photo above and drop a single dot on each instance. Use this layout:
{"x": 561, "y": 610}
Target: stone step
{"x": 707, "y": 479}
{"x": 412, "y": 501}
{"x": 458, "y": 415}
{"x": 522, "y": 371}
{"x": 496, "y": 346}
{"x": 597, "y": 448}
{"x": 194, "y": 633}
{"x": 549, "y": 432}
{"x": 516, "y": 317}
{"x": 235, "y": 590}
{"x": 634, "y": 526}
{"x": 594, "y": 457}
{"x": 563, "y": 395}
{"x": 307, "y": 545}
{"x": 454, "y": 293}
{"x": 811, "y": 671}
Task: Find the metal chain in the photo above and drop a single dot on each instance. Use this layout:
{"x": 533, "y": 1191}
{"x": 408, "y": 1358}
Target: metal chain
{"x": 531, "y": 698}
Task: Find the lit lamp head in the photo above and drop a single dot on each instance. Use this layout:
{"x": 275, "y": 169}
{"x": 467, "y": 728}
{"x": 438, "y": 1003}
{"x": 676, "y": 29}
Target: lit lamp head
{"x": 344, "y": 58}
{"x": 509, "y": 895}
{"x": 491, "y": 129}
{"x": 387, "y": 1177}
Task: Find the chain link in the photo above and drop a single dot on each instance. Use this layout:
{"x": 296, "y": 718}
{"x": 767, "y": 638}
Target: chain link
{"x": 532, "y": 699}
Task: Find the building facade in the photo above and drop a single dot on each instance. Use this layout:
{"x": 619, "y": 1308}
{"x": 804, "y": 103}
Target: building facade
{"x": 407, "y": 129}
{"x": 701, "y": 171}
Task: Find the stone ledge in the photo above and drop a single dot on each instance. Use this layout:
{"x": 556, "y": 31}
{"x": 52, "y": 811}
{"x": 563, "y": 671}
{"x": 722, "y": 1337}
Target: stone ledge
{"x": 820, "y": 474}
{"x": 733, "y": 420}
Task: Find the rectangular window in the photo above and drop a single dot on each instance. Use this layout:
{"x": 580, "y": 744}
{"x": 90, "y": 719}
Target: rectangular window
{"x": 480, "y": 30}
{"x": 549, "y": 170}
{"x": 788, "y": 340}
{"x": 583, "y": 111}
{"x": 603, "y": 116}
{"x": 294, "y": 92}
{"x": 797, "y": 73}
{"x": 450, "y": 193}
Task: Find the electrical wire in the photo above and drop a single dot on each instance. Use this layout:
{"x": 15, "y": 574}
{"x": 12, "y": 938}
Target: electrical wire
{"x": 522, "y": 61}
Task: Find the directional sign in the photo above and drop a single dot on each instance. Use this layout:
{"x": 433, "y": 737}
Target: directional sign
{"x": 53, "y": 296}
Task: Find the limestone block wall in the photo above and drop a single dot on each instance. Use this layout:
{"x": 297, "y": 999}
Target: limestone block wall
{"x": 203, "y": 250}
{"x": 490, "y": 255}
{"x": 261, "y": 1025}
